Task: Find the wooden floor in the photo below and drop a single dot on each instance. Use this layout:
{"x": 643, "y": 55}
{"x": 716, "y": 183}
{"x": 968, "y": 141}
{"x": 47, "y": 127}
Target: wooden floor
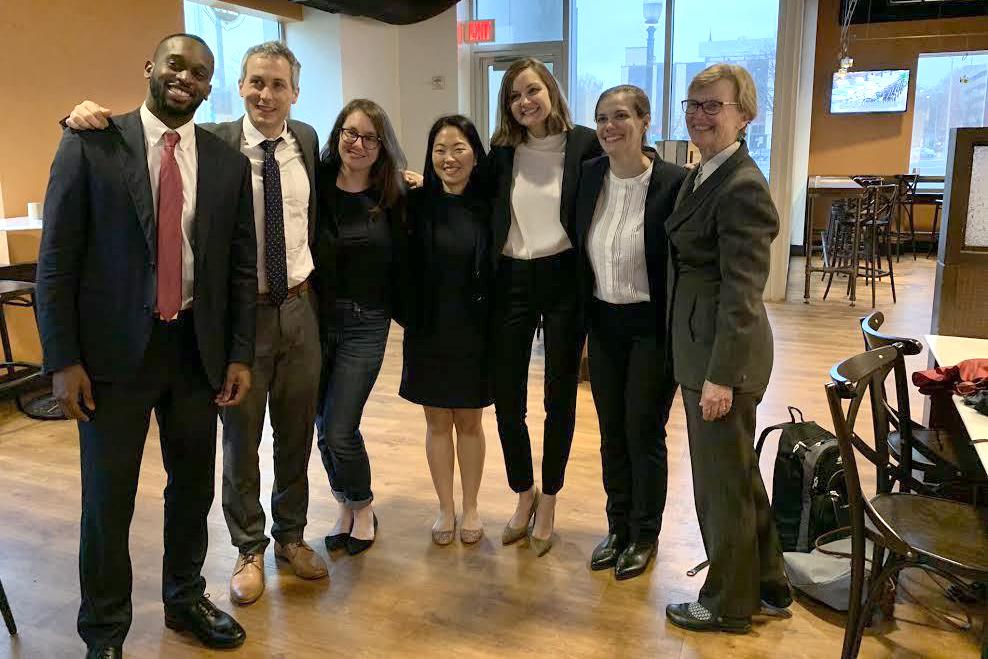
{"x": 408, "y": 597}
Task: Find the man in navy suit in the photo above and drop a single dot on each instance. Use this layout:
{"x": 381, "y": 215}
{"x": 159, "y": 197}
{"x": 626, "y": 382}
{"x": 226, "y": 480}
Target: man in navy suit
{"x": 147, "y": 286}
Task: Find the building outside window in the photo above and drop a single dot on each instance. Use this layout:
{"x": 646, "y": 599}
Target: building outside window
{"x": 951, "y": 92}
{"x": 229, "y": 35}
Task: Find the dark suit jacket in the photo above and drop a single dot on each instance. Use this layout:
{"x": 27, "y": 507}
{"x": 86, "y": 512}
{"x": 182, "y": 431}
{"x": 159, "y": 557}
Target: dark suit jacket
{"x": 232, "y": 132}
{"x": 96, "y": 271}
{"x": 659, "y": 203}
{"x": 720, "y": 238}
{"x": 581, "y": 144}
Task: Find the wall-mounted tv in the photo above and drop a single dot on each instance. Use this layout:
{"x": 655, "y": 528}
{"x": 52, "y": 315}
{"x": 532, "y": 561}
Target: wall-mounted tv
{"x": 870, "y": 91}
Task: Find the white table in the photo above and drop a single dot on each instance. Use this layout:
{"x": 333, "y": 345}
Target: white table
{"x": 949, "y": 351}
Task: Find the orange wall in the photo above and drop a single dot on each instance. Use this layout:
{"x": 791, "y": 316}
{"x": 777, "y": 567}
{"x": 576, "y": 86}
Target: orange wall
{"x": 877, "y": 143}
{"x": 67, "y": 51}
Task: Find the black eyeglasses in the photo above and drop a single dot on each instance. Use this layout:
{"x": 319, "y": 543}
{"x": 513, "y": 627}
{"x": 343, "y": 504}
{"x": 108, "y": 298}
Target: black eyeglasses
{"x": 709, "y": 107}
{"x": 370, "y": 142}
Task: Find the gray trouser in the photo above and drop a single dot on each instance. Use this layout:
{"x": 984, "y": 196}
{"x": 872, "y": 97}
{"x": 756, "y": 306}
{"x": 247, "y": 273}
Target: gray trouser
{"x": 285, "y": 378}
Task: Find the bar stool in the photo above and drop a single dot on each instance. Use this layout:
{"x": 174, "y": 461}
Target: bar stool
{"x": 8, "y": 617}
{"x": 906, "y": 204}
{"x": 935, "y": 233}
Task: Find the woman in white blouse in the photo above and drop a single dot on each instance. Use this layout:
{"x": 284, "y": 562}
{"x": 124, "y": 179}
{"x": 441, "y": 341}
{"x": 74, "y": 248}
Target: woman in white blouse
{"x": 536, "y": 155}
{"x": 624, "y": 198}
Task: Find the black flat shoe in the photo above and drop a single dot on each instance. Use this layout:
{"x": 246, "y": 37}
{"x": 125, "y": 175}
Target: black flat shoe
{"x": 336, "y": 542}
{"x": 605, "y": 554}
{"x": 776, "y": 596}
{"x": 695, "y": 617}
{"x": 108, "y": 652}
{"x": 635, "y": 559}
{"x": 213, "y": 628}
{"x": 355, "y": 545}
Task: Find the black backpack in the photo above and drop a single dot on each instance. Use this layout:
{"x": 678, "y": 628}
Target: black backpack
{"x": 809, "y": 496}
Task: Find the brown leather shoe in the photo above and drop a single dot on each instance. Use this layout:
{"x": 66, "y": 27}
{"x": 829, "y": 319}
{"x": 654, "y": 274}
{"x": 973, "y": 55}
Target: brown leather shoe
{"x": 306, "y": 563}
{"x": 247, "y": 582}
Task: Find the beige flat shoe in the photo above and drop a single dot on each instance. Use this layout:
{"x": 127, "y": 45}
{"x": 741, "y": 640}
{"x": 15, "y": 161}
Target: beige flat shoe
{"x": 443, "y": 538}
{"x": 471, "y": 536}
{"x": 513, "y": 534}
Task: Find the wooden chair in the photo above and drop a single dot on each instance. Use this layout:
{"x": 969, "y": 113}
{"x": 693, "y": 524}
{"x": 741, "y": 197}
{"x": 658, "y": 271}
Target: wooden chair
{"x": 876, "y": 232}
{"x": 944, "y": 537}
{"x": 8, "y": 617}
{"x": 947, "y": 464}
{"x": 906, "y": 205}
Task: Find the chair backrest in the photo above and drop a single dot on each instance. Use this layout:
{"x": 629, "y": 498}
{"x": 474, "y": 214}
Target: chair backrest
{"x": 907, "y": 184}
{"x": 882, "y": 200}
{"x": 853, "y": 380}
{"x": 867, "y": 179}
{"x": 898, "y": 416}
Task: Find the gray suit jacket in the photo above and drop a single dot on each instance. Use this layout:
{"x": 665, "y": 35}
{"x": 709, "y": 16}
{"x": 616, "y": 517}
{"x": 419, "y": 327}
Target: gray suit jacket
{"x": 720, "y": 236}
{"x": 232, "y": 133}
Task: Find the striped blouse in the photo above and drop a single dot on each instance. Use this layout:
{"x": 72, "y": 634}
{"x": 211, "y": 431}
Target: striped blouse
{"x": 616, "y": 244}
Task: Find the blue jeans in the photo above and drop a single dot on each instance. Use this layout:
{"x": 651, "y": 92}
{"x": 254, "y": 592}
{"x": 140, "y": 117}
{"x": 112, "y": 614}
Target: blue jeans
{"x": 353, "y": 352}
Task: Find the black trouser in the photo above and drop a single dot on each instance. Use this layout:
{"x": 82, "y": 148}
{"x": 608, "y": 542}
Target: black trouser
{"x": 529, "y": 291}
{"x": 633, "y": 392}
{"x": 732, "y": 507}
{"x": 171, "y": 381}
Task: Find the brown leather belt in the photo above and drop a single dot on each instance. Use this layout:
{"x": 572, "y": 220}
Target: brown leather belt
{"x": 294, "y": 291}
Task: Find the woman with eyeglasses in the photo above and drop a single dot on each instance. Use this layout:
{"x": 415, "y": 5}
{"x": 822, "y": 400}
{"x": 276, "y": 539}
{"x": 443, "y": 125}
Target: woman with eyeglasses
{"x": 446, "y": 361}
{"x": 625, "y": 197}
{"x": 536, "y": 155}
{"x": 359, "y": 274}
{"x": 720, "y": 238}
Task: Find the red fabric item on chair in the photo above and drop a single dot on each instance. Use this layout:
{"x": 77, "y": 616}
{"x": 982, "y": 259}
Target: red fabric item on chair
{"x": 963, "y": 379}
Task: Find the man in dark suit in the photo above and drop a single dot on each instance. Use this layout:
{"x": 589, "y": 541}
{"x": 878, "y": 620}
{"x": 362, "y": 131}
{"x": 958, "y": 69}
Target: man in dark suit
{"x": 283, "y": 155}
{"x": 147, "y": 286}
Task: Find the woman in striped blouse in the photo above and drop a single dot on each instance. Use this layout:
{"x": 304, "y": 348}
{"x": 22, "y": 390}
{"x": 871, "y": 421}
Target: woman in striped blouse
{"x": 623, "y": 201}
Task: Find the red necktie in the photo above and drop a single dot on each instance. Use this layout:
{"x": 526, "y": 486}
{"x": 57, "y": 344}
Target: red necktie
{"x": 169, "y": 231}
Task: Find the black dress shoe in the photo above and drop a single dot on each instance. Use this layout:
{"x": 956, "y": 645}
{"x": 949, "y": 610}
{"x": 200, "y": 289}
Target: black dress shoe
{"x": 635, "y": 559}
{"x": 776, "y": 596}
{"x": 355, "y": 545}
{"x": 605, "y": 554}
{"x": 213, "y": 628}
{"x": 107, "y": 652}
{"x": 695, "y": 617}
{"x": 336, "y": 542}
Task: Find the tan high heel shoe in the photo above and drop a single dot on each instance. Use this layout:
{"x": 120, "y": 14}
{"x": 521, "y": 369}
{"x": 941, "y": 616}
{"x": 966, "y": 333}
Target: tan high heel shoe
{"x": 513, "y": 534}
{"x": 541, "y": 546}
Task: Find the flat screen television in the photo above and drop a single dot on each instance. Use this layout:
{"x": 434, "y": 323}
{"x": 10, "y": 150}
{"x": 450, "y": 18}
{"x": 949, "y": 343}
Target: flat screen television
{"x": 870, "y": 91}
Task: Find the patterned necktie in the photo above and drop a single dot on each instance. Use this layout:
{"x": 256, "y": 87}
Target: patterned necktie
{"x": 275, "y": 262}
{"x": 699, "y": 177}
{"x": 169, "y": 231}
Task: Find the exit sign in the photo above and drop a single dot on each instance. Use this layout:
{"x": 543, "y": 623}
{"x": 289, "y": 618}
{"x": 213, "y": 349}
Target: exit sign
{"x": 475, "y": 31}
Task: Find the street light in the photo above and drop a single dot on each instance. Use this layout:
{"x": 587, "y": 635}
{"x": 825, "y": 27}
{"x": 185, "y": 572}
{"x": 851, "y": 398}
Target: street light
{"x": 652, "y": 12}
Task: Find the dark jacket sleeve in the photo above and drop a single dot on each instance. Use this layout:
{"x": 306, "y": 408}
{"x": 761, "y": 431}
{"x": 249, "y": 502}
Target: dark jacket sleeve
{"x": 400, "y": 262}
{"x": 243, "y": 274}
{"x": 746, "y": 227}
{"x": 63, "y": 244}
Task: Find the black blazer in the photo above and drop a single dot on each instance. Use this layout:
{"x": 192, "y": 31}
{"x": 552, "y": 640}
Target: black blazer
{"x": 232, "y": 132}
{"x": 326, "y": 244}
{"x": 721, "y": 236}
{"x": 96, "y": 270}
{"x": 659, "y": 203}
{"x": 424, "y": 206}
{"x": 581, "y": 144}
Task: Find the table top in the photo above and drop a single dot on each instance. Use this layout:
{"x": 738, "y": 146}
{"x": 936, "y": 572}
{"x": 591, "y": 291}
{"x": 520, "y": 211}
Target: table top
{"x": 841, "y": 183}
{"x": 19, "y": 224}
{"x": 948, "y": 351}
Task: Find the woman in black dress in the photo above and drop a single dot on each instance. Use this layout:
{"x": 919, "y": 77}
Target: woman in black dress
{"x": 446, "y": 361}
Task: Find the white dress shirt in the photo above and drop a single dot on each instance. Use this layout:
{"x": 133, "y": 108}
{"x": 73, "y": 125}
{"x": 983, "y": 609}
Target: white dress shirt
{"x": 707, "y": 168}
{"x": 188, "y": 166}
{"x": 536, "y": 190}
{"x": 294, "y": 197}
{"x": 616, "y": 243}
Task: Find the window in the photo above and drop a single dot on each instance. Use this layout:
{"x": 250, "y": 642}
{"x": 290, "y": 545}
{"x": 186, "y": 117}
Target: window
{"x": 711, "y": 31}
{"x": 951, "y": 90}
{"x": 522, "y": 21}
{"x": 229, "y": 35}
{"x": 624, "y": 41}
{"x": 615, "y": 43}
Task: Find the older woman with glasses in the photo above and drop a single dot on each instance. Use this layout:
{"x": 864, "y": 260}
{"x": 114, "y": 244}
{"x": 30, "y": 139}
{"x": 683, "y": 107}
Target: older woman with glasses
{"x": 720, "y": 235}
